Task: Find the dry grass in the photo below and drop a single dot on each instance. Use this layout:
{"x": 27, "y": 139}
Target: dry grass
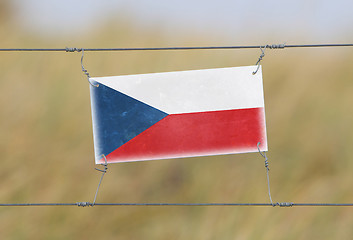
{"x": 47, "y": 148}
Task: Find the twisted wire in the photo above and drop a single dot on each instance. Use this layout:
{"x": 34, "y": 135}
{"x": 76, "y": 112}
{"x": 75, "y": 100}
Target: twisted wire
{"x": 263, "y": 154}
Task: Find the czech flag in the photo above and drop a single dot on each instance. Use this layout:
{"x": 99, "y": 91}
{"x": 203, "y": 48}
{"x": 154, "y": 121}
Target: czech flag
{"x": 178, "y": 114}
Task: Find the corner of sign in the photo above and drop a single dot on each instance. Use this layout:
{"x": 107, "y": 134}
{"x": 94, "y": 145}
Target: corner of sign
{"x": 93, "y": 82}
{"x": 102, "y": 159}
{"x": 262, "y": 146}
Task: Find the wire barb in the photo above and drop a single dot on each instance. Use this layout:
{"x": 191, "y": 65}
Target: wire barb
{"x": 67, "y": 49}
{"x": 276, "y": 46}
{"x": 284, "y": 204}
{"x": 84, "y": 204}
{"x": 105, "y": 164}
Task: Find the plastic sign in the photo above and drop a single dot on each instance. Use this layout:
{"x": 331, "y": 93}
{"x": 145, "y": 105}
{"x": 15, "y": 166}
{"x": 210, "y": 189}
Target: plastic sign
{"x": 178, "y": 114}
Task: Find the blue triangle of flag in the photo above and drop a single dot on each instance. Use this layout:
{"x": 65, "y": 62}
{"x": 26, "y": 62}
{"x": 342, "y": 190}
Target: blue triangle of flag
{"x": 118, "y": 118}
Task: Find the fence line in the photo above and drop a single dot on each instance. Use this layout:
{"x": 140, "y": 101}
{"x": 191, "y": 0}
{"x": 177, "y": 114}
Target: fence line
{"x": 88, "y": 204}
{"x": 271, "y": 46}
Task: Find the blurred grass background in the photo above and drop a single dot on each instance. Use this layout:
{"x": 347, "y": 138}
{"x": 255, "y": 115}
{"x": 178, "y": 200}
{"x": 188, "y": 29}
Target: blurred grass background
{"x": 46, "y": 145}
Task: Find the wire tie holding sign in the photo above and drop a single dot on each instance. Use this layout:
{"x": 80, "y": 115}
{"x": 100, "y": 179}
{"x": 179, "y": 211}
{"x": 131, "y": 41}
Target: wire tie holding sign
{"x": 85, "y": 71}
{"x": 67, "y": 49}
{"x": 105, "y": 164}
{"x": 260, "y": 59}
{"x": 273, "y": 46}
{"x": 263, "y": 154}
{"x": 279, "y": 204}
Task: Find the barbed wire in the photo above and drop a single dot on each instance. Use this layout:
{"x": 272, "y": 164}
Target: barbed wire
{"x": 271, "y": 46}
{"x": 89, "y": 204}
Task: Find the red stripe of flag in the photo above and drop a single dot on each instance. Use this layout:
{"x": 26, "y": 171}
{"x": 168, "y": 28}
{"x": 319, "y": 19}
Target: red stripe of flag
{"x": 195, "y": 134}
